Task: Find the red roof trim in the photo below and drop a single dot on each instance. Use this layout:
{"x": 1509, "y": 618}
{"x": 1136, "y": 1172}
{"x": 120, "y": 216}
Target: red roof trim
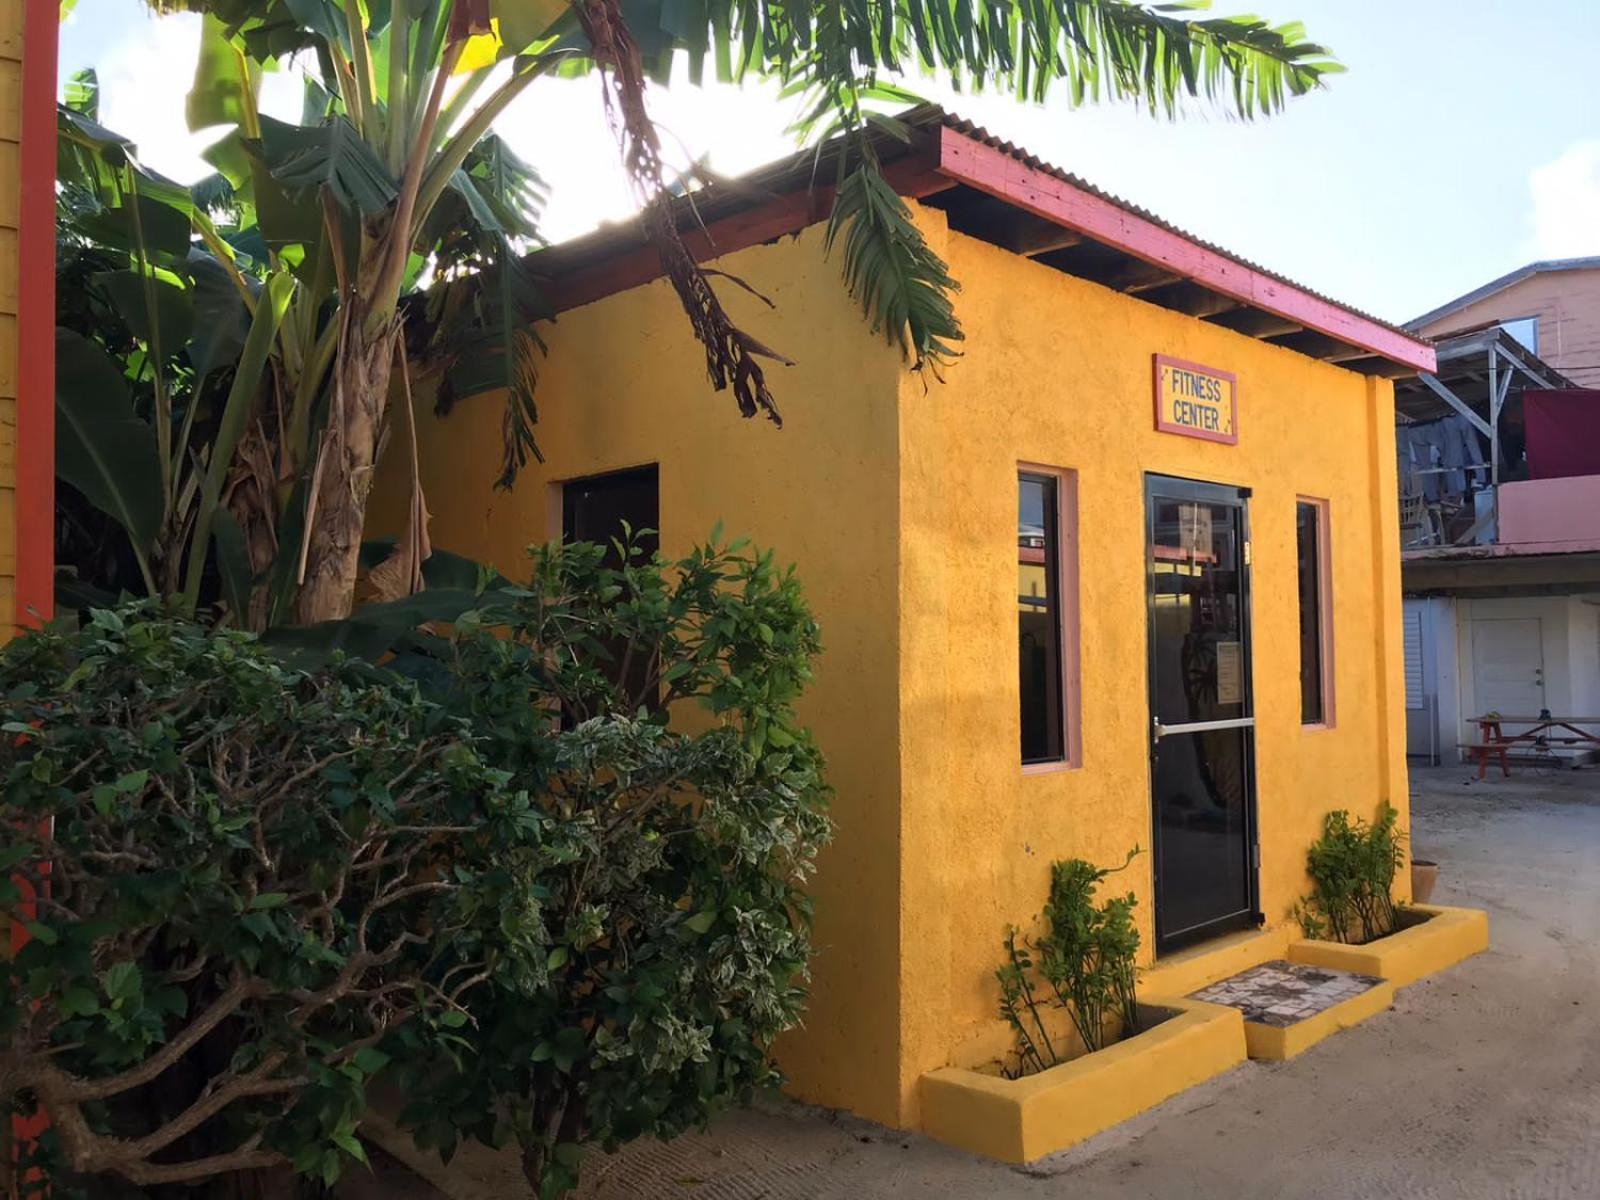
{"x": 915, "y": 176}
{"x": 991, "y": 170}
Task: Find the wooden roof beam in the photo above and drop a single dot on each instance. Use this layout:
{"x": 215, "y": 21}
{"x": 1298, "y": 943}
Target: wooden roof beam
{"x": 1385, "y": 369}
{"x": 1138, "y": 276}
{"x": 1253, "y": 322}
{"x": 1320, "y": 345}
{"x": 1192, "y": 300}
{"x": 1032, "y": 236}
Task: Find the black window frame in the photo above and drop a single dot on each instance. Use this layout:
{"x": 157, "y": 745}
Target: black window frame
{"x": 609, "y": 490}
{"x": 1311, "y": 593}
{"x": 1056, "y": 746}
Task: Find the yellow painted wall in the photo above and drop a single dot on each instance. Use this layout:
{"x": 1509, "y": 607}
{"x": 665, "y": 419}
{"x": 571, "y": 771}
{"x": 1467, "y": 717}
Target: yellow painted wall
{"x": 10, "y": 140}
{"x": 1057, "y": 372}
{"x": 625, "y": 384}
{"x": 896, "y": 496}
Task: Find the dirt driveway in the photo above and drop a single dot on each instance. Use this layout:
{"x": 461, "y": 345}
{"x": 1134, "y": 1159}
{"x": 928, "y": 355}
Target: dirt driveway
{"x": 1482, "y": 1082}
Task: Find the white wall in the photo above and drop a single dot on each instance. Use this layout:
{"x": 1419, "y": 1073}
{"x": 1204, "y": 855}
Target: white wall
{"x": 1570, "y": 633}
{"x": 1552, "y": 613}
{"x": 1583, "y": 625}
{"x": 1431, "y": 725}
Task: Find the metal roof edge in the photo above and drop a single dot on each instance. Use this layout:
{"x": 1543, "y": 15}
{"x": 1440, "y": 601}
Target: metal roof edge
{"x": 1527, "y": 271}
{"x": 785, "y": 196}
{"x": 1143, "y": 234}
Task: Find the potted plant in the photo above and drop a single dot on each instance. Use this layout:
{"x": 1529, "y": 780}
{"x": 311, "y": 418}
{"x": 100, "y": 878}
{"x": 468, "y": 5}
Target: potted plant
{"x": 1424, "y": 874}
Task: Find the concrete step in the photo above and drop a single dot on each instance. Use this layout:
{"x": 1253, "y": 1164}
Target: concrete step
{"x": 1290, "y": 1007}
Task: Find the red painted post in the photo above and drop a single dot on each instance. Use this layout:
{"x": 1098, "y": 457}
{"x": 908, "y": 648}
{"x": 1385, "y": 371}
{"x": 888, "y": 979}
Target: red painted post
{"x": 36, "y": 319}
{"x": 35, "y": 441}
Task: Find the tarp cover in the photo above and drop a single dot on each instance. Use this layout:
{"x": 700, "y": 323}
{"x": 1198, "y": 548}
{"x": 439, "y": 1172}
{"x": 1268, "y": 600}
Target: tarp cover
{"x": 1563, "y": 432}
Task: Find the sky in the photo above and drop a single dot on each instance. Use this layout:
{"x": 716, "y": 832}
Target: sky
{"x": 1463, "y": 141}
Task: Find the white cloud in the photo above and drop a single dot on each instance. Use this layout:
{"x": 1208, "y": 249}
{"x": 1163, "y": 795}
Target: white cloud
{"x": 1566, "y": 203}
{"x": 145, "y": 64}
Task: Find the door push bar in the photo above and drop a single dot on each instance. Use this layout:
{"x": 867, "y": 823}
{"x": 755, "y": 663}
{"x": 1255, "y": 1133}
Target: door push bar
{"x": 1162, "y": 731}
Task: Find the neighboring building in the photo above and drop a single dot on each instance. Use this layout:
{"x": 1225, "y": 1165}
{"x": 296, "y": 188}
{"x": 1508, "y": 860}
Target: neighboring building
{"x": 1551, "y": 307}
{"x": 1028, "y": 584}
{"x": 1499, "y": 476}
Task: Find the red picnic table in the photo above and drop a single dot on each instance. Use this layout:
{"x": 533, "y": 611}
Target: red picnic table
{"x": 1545, "y": 731}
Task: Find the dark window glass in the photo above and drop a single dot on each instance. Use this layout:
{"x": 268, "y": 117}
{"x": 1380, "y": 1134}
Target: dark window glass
{"x": 1039, "y": 618}
{"x": 1308, "y": 535}
{"x": 601, "y": 509}
{"x": 595, "y": 509}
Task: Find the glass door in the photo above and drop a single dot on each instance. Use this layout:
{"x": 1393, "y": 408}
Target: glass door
{"x": 1202, "y": 722}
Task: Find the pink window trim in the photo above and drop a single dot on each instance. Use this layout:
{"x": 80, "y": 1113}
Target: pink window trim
{"x": 1067, "y": 587}
{"x": 1324, "y": 610}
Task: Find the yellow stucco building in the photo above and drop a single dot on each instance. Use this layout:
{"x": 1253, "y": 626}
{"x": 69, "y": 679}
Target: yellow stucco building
{"x": 1126, "y": 575}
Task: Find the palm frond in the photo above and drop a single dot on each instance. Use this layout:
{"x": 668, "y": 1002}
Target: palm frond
{"x": 834, "y": 56}
{"x": 903, "y": 287}
{"x": 476, "y": 328}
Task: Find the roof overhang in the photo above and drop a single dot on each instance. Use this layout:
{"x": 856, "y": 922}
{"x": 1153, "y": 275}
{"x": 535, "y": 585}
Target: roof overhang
{"x": 1465, "y": 368}
{"x": 994, "y": 191}
{"x": 1466, "y": 300}
{"x": 1527, "y": 569}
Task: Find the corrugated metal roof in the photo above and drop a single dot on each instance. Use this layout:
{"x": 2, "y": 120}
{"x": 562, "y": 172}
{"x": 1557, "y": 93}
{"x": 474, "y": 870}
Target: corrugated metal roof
{"x": 723, "y": 197}
{"x": 933, "y": 113}
{"x": 1467, "y": 299}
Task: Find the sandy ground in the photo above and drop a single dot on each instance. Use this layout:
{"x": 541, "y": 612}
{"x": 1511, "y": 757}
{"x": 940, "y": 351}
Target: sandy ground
{"x": 1481, "y": 1082}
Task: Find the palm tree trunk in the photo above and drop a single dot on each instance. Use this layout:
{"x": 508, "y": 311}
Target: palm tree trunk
{"x": 342, "y": 477}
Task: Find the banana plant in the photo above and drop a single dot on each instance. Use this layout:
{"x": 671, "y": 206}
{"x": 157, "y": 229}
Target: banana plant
{"x": 398, "y": 124}
{"x": 162, "y": 351}
{"x": 191, "y": 357}
{"x": 392, "y": 170}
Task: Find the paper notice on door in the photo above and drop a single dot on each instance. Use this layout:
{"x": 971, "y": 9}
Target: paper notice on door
{"x": 1194, "y": 529}
{"x": 1230, "y": 672}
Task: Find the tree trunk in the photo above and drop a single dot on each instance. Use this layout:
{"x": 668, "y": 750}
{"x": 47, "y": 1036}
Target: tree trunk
{"x": 342, "y": 476}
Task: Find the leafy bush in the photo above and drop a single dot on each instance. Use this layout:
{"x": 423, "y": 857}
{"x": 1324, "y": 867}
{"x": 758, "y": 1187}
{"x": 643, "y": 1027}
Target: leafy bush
{"x": 693, "y": 805}
{"x": 1084, "y": 964}
{"x": 541, "y": 907}
{"x": 1352, "y": 868}
{"x": 258, "y": 882}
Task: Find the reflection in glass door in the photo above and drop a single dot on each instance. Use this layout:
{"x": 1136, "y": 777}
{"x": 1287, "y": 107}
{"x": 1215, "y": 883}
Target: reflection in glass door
{"x": 1202, "y": 720}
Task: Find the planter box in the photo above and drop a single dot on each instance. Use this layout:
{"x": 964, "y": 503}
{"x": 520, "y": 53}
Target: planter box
{"x": 1434, "y": 937}
{"x": 1278, "y": 1043}
{"x": 1019, "y": 1120}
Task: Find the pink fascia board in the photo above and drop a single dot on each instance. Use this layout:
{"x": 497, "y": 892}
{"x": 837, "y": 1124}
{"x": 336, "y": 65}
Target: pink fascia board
{"x": 991, "y": 170}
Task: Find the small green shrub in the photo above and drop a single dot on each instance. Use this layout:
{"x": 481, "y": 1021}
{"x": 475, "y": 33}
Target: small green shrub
{"x": 693, "y": 807}
{"x": 1083, "y": 963}
{"x": 1352, "y": 867}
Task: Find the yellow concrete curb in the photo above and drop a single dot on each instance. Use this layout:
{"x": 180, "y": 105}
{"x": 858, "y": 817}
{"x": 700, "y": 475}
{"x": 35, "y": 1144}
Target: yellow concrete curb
{"x": 1444, "y": 939}
{"x": 1277, "y": 1043}
{"x": 1019, "y": 1120}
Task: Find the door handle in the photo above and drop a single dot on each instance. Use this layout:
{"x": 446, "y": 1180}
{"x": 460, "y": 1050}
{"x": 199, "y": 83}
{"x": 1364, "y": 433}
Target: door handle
{"x": 1160, "y": 731}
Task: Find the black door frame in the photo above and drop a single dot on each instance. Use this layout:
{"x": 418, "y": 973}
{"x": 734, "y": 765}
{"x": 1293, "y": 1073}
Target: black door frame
{"x": 1179, "y": 488}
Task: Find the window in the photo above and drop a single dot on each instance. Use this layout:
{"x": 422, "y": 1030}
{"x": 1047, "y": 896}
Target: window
{"x": 1524, "y": 330}
{"x": 1046, "y": 615}
{"x": 1316, "y": 667}
{"x": 595, "y": 509}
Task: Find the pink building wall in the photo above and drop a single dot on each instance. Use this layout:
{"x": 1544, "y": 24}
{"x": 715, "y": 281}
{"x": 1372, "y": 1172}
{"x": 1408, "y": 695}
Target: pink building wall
{"x": 1567, "y": 304}
{"x": 1556, "y": 514}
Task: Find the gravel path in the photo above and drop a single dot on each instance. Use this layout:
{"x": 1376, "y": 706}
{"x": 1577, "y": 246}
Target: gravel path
{"x": 1481, "y": 1082}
